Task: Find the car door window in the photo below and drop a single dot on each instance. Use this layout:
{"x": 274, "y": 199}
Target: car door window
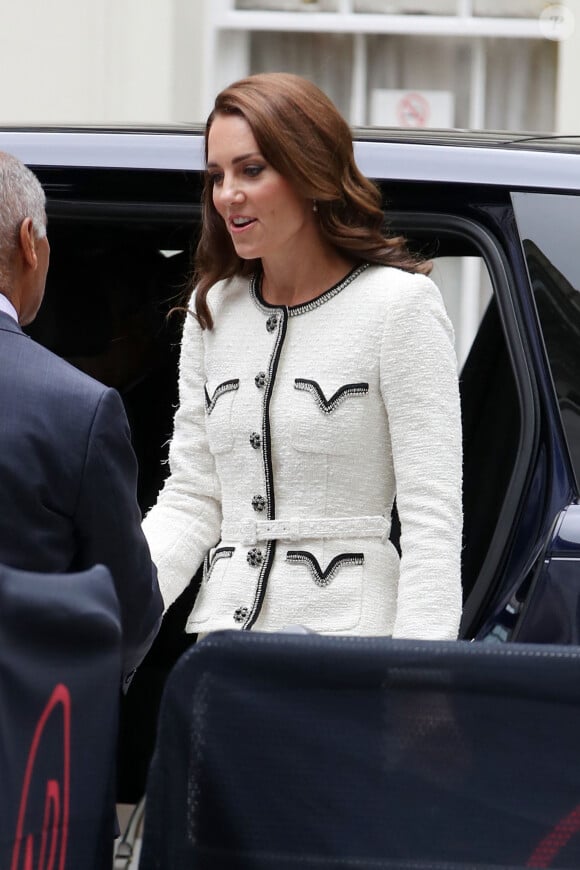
{"x": 491, "y": 416}
{"x": 549, "y": 226}
{"x": 466, "y": 288}
{"x": 110, "y": 291}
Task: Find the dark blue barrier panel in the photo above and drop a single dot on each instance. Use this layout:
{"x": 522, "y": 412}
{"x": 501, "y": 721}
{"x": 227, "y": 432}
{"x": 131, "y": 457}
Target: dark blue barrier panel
{"x": 60, "y": 666}
{"x": 286, "y": 751}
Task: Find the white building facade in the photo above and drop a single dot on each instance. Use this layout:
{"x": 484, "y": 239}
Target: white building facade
{"x": 491, "y": 64}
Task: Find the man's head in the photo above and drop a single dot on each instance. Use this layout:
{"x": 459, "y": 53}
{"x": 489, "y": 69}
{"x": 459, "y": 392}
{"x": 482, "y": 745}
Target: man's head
{"x": 24, "y": 249}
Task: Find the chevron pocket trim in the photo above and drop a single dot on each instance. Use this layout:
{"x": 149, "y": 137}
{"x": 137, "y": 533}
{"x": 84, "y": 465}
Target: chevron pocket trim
{"x": 323, "y": 577}
{"x": 220, "y": 390}
{"x": 210, "y": 560}
{"x": 329, "y": 405}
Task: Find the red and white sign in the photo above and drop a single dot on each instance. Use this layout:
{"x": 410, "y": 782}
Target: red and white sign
{"x": 413, "y": 110}
{"x": 398, "y": 108}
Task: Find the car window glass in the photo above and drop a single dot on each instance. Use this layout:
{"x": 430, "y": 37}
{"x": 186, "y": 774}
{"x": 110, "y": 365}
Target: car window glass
{"x": 490, "y": 404}
{"x": 549, "y": 226}
{"x": 466, "y": 289}
{"x": 109, "y": 294}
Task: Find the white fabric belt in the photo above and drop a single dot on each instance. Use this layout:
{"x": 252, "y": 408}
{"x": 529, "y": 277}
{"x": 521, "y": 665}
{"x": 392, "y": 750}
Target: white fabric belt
{"x": 249, "y": 532}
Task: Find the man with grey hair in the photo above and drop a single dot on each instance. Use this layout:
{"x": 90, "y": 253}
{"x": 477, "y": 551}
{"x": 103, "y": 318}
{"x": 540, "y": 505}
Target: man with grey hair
{"x": 22, "y": 230}
{"x": 68, "y": 473}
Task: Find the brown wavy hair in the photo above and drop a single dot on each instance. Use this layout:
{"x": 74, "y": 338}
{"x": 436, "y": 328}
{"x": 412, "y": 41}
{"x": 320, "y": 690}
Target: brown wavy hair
{"x": 301, "y": 134}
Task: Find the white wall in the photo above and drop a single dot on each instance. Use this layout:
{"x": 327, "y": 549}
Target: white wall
{"x": 567, "y": 102}
{"x": 106, "y": 61}
{"x": 51, "y": 60}
{"x": 149, "y": 61}
{"x": 190, "y": 68}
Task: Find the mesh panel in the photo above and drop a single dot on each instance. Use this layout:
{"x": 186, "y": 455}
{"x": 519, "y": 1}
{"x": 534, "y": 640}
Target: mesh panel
{"x": 278, "y": 751}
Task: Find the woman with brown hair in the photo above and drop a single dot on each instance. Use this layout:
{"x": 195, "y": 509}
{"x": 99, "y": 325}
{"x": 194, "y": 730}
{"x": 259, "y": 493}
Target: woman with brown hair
{"x": 317, "y": 382}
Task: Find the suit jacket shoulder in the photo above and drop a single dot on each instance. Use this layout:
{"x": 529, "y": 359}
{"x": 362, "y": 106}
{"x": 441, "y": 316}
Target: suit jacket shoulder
{"x": 68, "y": 479}
{"x": 32, "y": 367}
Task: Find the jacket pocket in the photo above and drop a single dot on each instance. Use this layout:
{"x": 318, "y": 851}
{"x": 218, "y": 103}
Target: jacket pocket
{"x": 328, "y": 594}
{"x": 328, "y": 419}
{"x": 215, "y": 566}
{"x": 219, "y": 406}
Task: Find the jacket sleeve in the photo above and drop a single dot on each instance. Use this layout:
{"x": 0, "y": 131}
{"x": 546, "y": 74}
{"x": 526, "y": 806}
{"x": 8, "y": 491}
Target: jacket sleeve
{"x": 108, "y": 525}
{"x": 420, "y": 389}
{"x": 186, "y": 520}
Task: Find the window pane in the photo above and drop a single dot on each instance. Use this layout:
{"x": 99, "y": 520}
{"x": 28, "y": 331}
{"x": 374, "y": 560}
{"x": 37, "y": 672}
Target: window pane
{"x": 466, "y": 289}
{"x": 549, "y": 226}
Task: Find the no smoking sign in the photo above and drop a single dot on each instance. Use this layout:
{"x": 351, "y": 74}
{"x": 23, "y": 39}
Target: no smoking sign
{"x": 398, "y": 108}
{"x": 413, "y": 110}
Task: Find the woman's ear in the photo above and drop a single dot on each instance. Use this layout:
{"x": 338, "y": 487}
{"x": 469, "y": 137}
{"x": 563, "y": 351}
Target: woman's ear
{"x": 27, "y": 243}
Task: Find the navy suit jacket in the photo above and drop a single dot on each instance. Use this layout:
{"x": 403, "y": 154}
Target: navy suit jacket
{"x": 68, "y": 482}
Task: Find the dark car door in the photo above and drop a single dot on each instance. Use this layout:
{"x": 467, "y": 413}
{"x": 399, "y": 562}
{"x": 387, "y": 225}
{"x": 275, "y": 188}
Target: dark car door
{"x": 549, "y": 228}
{"x": 520, "y": 514}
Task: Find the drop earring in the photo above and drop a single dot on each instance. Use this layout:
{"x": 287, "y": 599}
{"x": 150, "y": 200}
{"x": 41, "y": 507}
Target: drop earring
{"x": 314, "y": 205}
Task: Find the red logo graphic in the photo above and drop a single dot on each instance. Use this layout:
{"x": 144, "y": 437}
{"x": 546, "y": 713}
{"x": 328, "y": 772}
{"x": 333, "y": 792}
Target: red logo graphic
{"x": 54, "y": 836}
{"x": 547, "y": 851}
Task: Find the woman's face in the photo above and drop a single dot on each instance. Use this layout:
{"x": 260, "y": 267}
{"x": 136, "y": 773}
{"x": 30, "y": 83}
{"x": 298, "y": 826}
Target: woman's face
{"x": 264, "y": 215}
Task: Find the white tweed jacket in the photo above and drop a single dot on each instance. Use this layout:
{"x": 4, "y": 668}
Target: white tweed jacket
{"x": 296, "y": 429}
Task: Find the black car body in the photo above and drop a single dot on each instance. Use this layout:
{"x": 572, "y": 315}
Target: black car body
{"x": 124, "y": 212}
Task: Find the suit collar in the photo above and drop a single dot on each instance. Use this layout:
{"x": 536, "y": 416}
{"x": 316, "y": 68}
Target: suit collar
{"x": 7, "y": 305}
{"x": 8, "y": 324}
